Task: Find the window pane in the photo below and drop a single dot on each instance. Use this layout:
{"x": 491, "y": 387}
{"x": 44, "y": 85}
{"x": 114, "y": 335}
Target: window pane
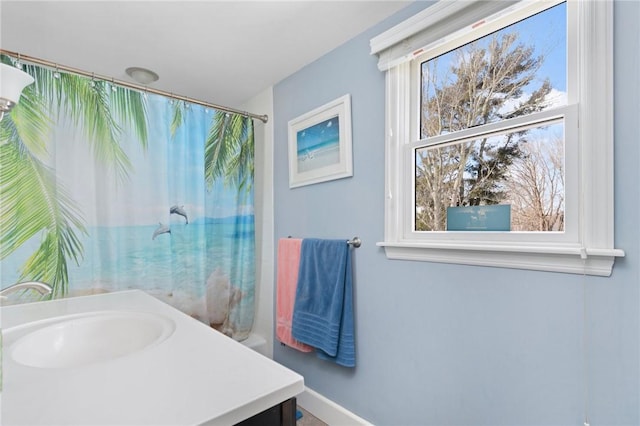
{"x": 513, "y": 72}
{"x": 522, "y": 170}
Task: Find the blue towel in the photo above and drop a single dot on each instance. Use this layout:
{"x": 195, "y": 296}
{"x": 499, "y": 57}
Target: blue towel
{"x": 323, "y": 307}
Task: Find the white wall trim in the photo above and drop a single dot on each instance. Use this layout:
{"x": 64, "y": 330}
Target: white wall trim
{"x": 436, "y": 24}
{"x": 263, "y": 206}
{"x": 328, "y": 411}
{"x": 597, "y": 262}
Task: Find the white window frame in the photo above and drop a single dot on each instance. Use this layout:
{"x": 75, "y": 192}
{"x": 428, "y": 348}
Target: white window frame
{"x": 587, "y": 245}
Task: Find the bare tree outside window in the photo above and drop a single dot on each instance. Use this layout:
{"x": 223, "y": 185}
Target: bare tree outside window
{"x": 536, "y": 186}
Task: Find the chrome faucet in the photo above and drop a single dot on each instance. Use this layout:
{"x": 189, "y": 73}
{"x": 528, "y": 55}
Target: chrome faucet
{"x": 41, "y": 288}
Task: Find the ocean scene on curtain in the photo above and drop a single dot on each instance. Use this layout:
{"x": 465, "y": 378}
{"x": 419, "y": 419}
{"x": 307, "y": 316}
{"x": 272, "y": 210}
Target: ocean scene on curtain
{"x": 104, "y": 188}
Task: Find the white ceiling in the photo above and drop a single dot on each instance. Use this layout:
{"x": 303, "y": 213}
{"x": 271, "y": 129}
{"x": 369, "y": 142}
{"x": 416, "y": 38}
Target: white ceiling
{"x": 223, "y": 52}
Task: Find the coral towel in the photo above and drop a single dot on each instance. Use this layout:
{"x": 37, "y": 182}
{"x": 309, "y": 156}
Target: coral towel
{"x": 288, "y": 264}
{"x": 323, "y": 310}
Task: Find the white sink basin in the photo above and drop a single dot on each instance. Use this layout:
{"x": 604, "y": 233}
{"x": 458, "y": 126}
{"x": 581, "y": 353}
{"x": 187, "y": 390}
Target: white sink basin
{"x": 84, "y": 339}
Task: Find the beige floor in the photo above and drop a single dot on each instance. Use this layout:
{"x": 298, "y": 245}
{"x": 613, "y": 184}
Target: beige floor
{"x": 308, "y": 419}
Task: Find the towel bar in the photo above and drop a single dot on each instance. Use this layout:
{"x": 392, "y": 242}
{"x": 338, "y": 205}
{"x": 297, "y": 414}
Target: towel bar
{"x": 355, "y": 241}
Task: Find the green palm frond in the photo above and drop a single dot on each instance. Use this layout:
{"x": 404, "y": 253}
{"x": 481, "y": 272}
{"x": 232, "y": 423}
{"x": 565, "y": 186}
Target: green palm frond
{"x": 27, "y": 123}
{"x": 32, "y": 203}
{"x": 177, "y": 118}
{"x": 131, "y": 109}
{"x": 242, "y": 167}
{"x": 229, "y": 150}
{"x": 96, "y": 107}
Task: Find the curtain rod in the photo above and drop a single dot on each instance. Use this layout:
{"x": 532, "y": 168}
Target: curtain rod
{"x": 20, "y": 57}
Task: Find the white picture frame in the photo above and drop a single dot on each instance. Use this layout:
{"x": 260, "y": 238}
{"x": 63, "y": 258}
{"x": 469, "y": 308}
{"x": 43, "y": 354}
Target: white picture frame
{"x": 320, "y": 147}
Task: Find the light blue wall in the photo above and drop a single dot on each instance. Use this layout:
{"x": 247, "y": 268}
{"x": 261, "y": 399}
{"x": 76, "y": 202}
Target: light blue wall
{"x": 450, "y": 345}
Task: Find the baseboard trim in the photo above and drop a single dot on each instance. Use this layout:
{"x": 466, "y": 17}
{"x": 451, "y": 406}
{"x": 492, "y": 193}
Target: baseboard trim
{"x": 328, "y": 411}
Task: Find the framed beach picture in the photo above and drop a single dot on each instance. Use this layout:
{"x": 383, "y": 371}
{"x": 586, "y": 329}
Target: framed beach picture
{"x": 320, "y": 144}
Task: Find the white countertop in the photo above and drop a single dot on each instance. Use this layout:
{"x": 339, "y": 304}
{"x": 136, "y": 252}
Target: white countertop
{"x": 196, "y": 376}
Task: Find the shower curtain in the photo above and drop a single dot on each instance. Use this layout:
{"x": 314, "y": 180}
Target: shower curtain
{"x": 104, "y": 188}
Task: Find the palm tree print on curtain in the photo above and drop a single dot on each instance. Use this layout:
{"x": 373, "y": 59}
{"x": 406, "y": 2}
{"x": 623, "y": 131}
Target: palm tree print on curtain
{"x": 103, "y": 188}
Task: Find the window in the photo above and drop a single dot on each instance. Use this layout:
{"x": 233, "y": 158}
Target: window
{"x": 499, "y": 140}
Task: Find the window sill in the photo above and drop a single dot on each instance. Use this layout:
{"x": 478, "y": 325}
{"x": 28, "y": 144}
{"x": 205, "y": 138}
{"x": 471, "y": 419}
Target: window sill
{"x": 573, "y": 260}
